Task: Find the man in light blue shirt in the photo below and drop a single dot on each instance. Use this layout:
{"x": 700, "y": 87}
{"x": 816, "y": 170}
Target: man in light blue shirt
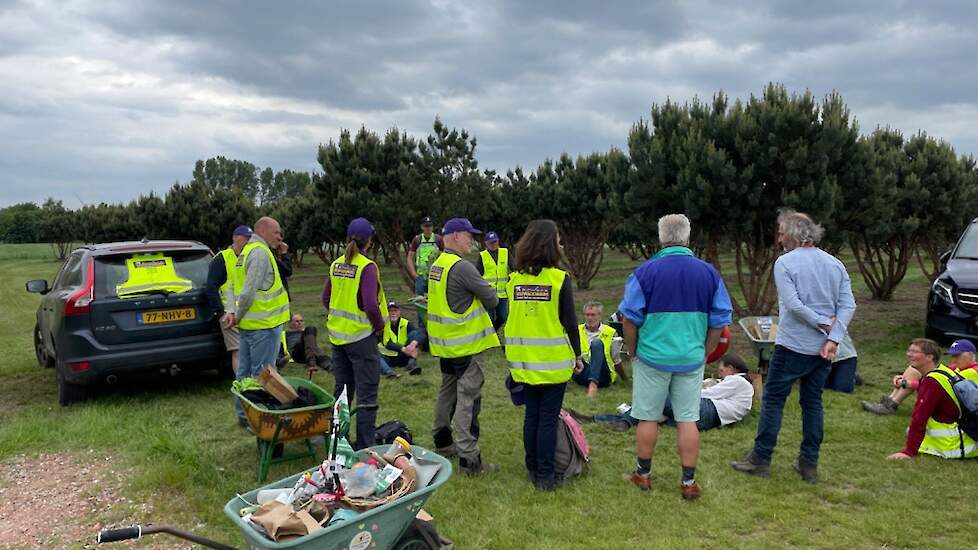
{"x": 816, "y": 305}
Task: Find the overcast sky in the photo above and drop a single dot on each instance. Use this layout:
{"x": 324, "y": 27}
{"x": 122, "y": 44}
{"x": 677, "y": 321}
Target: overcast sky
{"x": 104, "y": 100}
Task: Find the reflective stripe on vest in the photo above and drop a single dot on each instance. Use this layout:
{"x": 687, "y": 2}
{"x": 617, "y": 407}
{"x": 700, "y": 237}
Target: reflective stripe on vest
{"x": 347, "y": 323}
{"x": 453, "y": 334}
{"x": 607, "y": 335}
{"x": 946, "y": 440}
{"x": 270, "y": 308}
{"x": 230, "y": 260}
{"x": 389, "y": 336}
{"x": 148, "y": 272}
{"x": 496, "y": 273}
{"x": 537, "y": 346}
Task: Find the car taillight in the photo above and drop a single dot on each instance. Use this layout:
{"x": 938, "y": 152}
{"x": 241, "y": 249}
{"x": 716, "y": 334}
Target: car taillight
{"x": 80, "y": 366}
{"x": 80, "y": 302}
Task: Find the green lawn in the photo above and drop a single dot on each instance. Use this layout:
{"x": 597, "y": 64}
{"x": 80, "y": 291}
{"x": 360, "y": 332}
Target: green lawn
{"x": 187, "y": 457}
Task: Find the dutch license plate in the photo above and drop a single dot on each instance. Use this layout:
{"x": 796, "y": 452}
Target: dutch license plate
{"x": 168, "y": 315}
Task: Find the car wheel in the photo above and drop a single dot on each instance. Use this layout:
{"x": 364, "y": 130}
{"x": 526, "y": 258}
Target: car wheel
{"x": 68, "y": 393}
{"x": 40, "y": 351}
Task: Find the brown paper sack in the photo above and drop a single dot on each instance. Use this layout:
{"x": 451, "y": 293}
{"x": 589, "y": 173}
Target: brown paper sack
{"x": 281, "y": 522}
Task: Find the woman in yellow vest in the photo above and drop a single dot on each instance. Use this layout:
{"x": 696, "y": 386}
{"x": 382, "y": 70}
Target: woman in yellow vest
{"x": 542, "y": 343}
{"x": 356, "y": 316}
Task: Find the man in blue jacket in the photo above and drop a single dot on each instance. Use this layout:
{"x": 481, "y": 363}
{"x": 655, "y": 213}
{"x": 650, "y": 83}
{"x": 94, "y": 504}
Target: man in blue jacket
{"x": 675, "y": 307}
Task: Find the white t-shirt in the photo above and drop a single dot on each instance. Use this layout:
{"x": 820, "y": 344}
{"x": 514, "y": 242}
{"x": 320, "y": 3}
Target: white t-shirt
{"x": 732, "y": 396}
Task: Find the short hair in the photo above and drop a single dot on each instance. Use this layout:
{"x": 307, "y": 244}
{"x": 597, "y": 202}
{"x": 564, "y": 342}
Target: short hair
{"x": 737, "y": 362}
{"x": 593, "y": 303}
{"x": 800, "y": 228}
{"x": 673, "y": 228}
{"x": 928, "y": 347}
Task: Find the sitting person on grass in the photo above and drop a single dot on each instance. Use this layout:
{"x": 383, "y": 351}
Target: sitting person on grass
{"x": 299, "y": 344}
{"x": 723, "y": 401}
{"x": 904, "y": 385}
{"x": 399, "y": 347}
{"x": 934, "y": 421}
{"x": 600, "y": 350}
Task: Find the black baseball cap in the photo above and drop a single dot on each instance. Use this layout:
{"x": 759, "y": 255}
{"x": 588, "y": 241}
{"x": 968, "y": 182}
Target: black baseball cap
{"x": 427, "y": 221}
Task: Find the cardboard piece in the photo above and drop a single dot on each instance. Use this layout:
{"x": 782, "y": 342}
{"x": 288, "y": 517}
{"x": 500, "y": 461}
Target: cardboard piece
{"x": 274, "y": 384}
{"x": 282, "y": 523}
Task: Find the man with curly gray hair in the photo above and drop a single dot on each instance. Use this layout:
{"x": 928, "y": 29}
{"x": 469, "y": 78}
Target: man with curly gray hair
{"x": 816, "y": 304}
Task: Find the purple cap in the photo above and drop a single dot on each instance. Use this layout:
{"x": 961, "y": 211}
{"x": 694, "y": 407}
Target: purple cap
{"x": 359, "y": 229}
{"x": 961, "y": 346}
{"x": 492, "y": 237}
{"x": 242, "y": 231}
{"x": 457, "y": 225}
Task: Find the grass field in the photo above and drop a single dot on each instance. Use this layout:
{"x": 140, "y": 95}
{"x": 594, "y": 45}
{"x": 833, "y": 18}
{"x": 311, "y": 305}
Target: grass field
{"x": 179, "y": 441}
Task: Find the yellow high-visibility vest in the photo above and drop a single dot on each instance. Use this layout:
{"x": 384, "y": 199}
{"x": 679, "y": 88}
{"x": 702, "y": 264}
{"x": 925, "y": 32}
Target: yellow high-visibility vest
{"x": 389, "y": 336}
{"x": 537, "y": 346}
{"x": 270, "y": 308}
{"x": 426, "y": 248}
{"x": 347, "y": 323}
{"x": 943, "y": 439}
{"x": 453, "y": 334}
{"x": 151, "y": 272}
{"x": 230, "y": 260}
{"x": 496, "y": 273}
{"x": 606, "y": 334}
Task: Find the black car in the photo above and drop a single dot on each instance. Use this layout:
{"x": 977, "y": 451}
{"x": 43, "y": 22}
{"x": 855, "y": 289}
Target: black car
{"x": 952, "y": 304}
{"x": 88, "y": 334}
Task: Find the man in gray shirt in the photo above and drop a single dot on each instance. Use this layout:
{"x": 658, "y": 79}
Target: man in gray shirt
{"x": 816, "y": 305}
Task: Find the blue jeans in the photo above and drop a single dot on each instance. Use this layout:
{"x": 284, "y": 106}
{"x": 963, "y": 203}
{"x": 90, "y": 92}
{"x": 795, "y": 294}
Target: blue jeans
{"x": 385, "y": 367}
{"x": 420, "y": 285}
{"x": 843, "y": 376}
{"x": 785, "y": 368}
{"x": 542, "y": 414}
{"x": 709, "y": 418}
{"x": 597, "y": 370}
{"x": 258, "y": 348}
{"x": 500, "y": 313}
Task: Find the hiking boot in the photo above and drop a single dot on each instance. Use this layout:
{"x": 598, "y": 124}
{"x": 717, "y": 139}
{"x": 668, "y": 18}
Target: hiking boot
{"x": 582, "y": 418}
{"x": 447, "y": 452}
{"x": 642, "y": 481}
{"x": 412, "y": 368}
{"x": 749, "y": 465}
{"x": 690, "y": 492}
{"x": 808, "y": 473}
{"x": 281, "y": 362}
{"x": 475, "y": 467}
{"x": 885, "y": 407}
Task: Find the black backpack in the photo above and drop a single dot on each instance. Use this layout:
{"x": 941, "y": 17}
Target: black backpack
{"x": 386, "y": 432}
{"x": 962, "y": 387}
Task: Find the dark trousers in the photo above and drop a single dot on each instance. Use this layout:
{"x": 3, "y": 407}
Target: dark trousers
{"x": 785, "y": 368}
{"x": 540, "y": 429}
{"x": 357, "y": 367}
{"x": 709, "y": 418}
{"x": 597, "y": 370}
{"x": 843, "y": 376}
{"x": 306, "y": 350}
{"x": 500, "y": 313}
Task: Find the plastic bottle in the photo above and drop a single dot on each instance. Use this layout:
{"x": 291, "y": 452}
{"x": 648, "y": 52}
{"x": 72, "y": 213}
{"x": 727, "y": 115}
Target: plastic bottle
{"x": 359, "y": 481}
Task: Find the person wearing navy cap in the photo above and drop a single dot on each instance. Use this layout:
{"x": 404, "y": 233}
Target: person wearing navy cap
{"x": 219, "y": 290}
{"x": 495, "y": 265}
{"x": 356, "y": 310}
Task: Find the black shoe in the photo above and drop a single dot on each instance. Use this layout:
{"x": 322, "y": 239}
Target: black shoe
{"x": 413, "y": 369}
{"x": 475, "y": 467}
{"x": 324, "y": 363}
{"x": 808, "y": 473}
{"x": 242, "y": 422}
{"x": 749, "y": 465}
{"x": 281, "y": 362}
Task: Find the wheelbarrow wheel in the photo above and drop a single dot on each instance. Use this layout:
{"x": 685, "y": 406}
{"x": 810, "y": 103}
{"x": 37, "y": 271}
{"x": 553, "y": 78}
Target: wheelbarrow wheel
{"x": 413, "y": 543}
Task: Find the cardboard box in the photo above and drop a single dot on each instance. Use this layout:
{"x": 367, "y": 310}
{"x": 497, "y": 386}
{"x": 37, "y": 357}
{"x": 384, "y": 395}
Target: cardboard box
{"x": 274, "y": 384}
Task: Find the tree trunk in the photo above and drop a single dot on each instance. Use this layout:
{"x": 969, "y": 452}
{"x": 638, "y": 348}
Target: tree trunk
{"x": 931, "y": 265}
{"x": 883, "y": 265}
{"x": 391, "y": 242}
{"x": 584, "y": 253}
{"x": 755, "y": 277}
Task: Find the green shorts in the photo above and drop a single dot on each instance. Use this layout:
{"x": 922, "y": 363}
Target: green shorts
{"x": 651, "y": 387}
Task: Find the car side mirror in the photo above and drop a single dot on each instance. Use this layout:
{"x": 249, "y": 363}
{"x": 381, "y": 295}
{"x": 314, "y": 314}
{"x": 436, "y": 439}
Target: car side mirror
{"x": 37, "y": 286}
{"x": 945, "y": 257}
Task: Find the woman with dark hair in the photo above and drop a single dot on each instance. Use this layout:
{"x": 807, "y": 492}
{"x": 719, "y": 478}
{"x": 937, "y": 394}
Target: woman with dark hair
{"x": 542, "y": 343}
{"x": 356, "y": 310}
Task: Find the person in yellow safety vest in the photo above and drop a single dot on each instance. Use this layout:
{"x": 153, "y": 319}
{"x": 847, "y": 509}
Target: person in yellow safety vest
{"x": 934, "y": 421}
{"x": 261, "y": 305}
{"x": 421, "y": 252}
{"x": 299, "y": 344}
{"x": 399, "y": 347}
{"x": 543, "y": 345}
{"x": 149, "y": 273}
{"x": 459, "y": 330}
{"x": 356, "y": 316}
{"x": 601, "y": 348}
{"x": 219, "y": 291}
{"x": 495, "y": 265}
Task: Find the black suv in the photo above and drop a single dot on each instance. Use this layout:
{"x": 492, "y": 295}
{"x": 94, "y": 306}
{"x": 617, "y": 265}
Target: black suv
{"x": 88, "y": 334}
{"x": 952, "y": 304}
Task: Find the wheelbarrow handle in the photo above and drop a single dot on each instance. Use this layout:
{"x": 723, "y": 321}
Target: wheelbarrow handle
{"x": 137, "y": 531}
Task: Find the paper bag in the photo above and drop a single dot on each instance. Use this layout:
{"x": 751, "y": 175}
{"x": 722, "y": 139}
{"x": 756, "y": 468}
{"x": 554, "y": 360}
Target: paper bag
{"x": 281, "y": 522}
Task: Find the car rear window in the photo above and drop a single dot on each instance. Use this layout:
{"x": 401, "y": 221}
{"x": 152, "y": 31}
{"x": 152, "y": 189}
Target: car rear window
{"x": 111, "y": 271}
{"x": 968, "y": 249}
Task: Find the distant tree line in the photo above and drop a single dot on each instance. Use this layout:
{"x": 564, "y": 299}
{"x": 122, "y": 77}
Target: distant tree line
{"x": 729, "y": 166}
